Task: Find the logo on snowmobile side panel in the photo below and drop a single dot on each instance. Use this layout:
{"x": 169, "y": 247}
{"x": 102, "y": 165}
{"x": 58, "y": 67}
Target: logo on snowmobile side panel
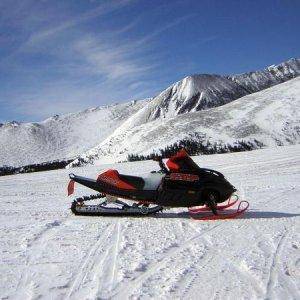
{"x": 184, "y": 177}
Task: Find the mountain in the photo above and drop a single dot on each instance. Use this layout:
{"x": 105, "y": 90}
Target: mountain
{"x": 200, "y": 92}
{"x": 270, "y": 116}
{"x": 61, "y": 137}
{"x": 191, "y": 105}
{"x": 259, "y": 80}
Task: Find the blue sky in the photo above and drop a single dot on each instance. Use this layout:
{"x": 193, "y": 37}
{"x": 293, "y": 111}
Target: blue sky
{"x": 64, "y": 56}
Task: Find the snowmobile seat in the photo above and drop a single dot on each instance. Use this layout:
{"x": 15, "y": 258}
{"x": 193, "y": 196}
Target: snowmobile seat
{"x": 150, "y": 182}
{"x": 122, "y": 181}
{"x": 135, "y": 181}
{"x": 113, "y": 177}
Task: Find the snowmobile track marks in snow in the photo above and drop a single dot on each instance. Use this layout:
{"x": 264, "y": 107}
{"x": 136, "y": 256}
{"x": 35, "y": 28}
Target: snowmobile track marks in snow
{"x": 243, "y": 274}
{"x": 124, "y": 293}
{"x": 89, "y": 261}
{"x": 276, "y": 274}
{"x": 115, "y": 255}
{"x": 39, "y": 242}
{"x": 275, "y": 261}
{"x": 109, "y": 268}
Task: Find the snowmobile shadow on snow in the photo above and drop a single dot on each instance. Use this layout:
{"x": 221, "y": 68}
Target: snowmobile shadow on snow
{"x": 252, "y": 214}
{"x": 186, "y": 215}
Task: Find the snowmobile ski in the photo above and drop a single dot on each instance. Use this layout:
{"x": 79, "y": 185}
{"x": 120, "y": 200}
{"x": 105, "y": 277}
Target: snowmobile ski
{"x": 202, "y": 216}
{"x": 218, "y": 207}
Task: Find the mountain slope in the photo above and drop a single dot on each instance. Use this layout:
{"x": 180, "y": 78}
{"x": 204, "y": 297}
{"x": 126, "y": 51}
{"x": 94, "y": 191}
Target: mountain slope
{"x": 270, "y": 116}
{"x": 259, "y": 80}
{"x": 61, "y": 137}
{"x": 200, "y": 92}
{"x": 68, "y": 136}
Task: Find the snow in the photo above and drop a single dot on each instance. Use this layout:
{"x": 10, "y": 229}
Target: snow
{"x": 61, "y": 137}
{"x": 258, "y": 80}
{"x": 46, "y": 252}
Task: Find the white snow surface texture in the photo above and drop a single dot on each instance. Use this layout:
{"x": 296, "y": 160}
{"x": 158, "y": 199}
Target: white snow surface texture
{"x": 196, "y": 104}
{"x": 48, "y": 253}
{"x": 61, "y": 137}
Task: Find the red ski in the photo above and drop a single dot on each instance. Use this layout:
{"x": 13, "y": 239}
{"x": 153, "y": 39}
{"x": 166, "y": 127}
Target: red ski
{"x": 206, "y": 215}
{"x": 219, "y": 207}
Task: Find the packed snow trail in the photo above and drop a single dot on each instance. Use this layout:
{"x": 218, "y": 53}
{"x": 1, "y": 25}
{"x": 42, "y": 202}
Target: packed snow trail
{"x": 47, "y": 252}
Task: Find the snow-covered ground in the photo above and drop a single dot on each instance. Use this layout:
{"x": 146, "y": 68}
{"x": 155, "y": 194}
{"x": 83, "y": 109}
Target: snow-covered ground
{"x": 46, "y": 252}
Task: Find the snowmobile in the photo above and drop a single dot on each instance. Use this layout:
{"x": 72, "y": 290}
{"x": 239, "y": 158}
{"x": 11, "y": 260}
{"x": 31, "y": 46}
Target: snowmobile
{"x": 179, "y": 183}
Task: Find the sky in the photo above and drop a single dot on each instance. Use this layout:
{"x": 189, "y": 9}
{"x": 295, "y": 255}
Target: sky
{"x": 58, "y": 57}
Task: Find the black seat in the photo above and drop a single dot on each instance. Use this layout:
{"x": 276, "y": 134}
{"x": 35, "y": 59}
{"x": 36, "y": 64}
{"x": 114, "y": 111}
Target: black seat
{"x": 135, "y": 181}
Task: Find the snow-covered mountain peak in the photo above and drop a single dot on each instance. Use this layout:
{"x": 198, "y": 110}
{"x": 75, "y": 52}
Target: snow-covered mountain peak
{"x": 195, "y": 84}
{"x": 11, "y": 124}
{"x": 53, "y": 118}
{"x": 270, "y": 117}
{"x": 272, "y": 75}
{"x": 202, "y": 91}
{"x": 291, "y": 66}
{"x": 193, "y": 93}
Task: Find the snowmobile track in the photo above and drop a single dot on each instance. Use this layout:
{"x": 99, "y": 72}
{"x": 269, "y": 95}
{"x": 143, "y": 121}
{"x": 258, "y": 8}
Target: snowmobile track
{"x": 248, "y": 277}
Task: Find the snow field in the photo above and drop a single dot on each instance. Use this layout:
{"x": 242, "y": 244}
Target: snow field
{"x": 46, "y": 252}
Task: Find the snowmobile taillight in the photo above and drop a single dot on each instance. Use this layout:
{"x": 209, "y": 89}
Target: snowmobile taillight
{"x": 71, "y": 187}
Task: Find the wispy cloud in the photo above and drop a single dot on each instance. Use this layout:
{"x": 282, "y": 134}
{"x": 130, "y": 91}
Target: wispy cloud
{"x": 74, "y": 68}
{"x": 116, "y": 59}
{"x": 165, "y": 27}
{"x": 101, "y": 10}
{"x": 112, "y": 59}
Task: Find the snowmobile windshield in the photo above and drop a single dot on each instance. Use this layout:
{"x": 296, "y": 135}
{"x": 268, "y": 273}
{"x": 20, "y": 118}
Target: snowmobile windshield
{"x": 181, "y": 162}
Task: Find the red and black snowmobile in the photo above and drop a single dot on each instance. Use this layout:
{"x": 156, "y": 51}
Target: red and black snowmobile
{"x": 179, "y": 183}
